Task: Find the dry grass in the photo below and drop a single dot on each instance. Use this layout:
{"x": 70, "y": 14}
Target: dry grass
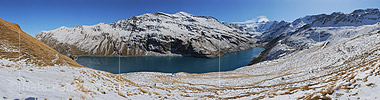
{"x": 30, "y": 48}
{"x": 143, "y": 91}
{"x": 121, "y": 94}
{"x": 156, "y": 93}
{"x": 81, "y": 88}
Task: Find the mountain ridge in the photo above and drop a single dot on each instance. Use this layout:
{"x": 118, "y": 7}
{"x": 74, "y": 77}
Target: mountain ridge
{"x": 150, "y": 34}
{"x": 286, "y": 35}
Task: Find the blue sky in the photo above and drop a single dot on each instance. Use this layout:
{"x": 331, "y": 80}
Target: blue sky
{"x": 36, "y": 15}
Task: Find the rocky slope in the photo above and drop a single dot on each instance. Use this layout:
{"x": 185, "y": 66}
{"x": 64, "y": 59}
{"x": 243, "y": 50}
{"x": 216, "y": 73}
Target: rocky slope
{"x": 179, "y": 34}
{"x": 307, "y": 31}
{"x": 16, "y": 45}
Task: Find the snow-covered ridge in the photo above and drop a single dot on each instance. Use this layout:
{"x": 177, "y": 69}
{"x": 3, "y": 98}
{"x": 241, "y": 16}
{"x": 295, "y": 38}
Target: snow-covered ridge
{"x": 304, "y": 31}
{"x": 256, "y": 29}
{"x": 356, "y": 18}
{"x": 179, "y": 34}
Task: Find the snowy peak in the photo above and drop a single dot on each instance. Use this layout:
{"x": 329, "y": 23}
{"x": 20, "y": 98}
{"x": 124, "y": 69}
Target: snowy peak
{"x": 262, "y": 19}
{"x": 365, "y": 11}
{"x": 306, "y": 20}
{"x": 181, "y": 13}
{"x": 356, "y": 18}
{"x": 154, "y": 21}
{"x": 259, "y": 19}
{"x": 261, "y": 24}
{"x": 257, "y": 26}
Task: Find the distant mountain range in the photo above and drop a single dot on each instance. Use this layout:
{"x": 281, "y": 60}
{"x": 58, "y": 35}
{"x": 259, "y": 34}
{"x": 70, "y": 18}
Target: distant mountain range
{"x": 256, "y": 29}
{"x": 183, "y": 34}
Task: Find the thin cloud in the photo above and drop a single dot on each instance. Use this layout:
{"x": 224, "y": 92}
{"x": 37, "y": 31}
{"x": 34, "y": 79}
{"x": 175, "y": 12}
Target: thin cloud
{"x": 257, "y": 19}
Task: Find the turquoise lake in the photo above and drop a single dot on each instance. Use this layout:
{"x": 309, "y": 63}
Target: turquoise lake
{"x": 229, "y": 61}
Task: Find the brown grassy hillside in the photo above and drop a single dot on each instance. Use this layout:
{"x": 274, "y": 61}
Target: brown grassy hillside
{"x": 13, "y": 40}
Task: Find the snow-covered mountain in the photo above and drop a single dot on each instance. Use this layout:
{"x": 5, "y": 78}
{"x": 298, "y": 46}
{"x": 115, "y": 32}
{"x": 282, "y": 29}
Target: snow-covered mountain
{"x": 258, "y": 27}
{"x": 307, "y": 31}
{"x": 356, "y": 18}
{"x": 179, "y": 34}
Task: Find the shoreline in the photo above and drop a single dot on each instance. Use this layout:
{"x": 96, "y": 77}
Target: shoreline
{"x": 169, "y": 55}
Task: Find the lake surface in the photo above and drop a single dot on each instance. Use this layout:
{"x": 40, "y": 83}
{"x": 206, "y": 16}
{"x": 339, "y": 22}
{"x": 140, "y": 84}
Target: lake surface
{"x": 229, "y": 61}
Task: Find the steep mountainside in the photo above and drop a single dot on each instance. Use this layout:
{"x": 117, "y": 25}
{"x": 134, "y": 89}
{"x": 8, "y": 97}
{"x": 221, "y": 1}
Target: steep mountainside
{"x": 16, "y": 45}
{"x": 356, "y": 18}
{"x": 149, "y": 34}
{"x": 310, "y": 30}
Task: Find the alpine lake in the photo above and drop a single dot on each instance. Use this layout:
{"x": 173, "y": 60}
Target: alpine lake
{"x": 229, "y": 61}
